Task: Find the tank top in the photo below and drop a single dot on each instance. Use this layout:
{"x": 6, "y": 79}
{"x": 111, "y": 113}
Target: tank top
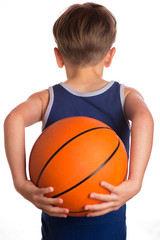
{"x": 106, "y": 105}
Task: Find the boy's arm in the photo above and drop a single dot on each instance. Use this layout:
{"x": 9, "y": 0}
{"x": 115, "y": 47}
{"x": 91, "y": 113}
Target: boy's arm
{"x": 24, "y": 115}
{"x": 141, "y": 134}
{"x": 141, "y": 143}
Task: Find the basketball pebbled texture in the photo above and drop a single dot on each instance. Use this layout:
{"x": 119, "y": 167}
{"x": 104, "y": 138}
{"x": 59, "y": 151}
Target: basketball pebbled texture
{"x": 74, "y": 155}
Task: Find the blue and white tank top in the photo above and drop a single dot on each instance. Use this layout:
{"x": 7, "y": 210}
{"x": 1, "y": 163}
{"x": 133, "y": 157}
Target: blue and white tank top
{"x": 105, "y": 104}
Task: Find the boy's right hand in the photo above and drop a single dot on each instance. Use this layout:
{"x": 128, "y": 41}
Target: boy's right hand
{"x": 36, "y": 196}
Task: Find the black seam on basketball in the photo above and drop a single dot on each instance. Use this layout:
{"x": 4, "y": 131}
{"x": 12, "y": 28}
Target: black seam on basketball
{"x": 91, "y": 129}
{"x": 69, "y": 189}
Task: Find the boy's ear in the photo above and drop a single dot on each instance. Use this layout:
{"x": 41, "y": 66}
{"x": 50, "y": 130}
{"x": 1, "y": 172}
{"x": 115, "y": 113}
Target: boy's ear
{"x": 109, "y": 57}
{"x": 59, "y": 58}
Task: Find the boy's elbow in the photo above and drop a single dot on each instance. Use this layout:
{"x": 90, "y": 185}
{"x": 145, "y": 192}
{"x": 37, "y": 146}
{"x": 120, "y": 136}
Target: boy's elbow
{"x": 8, "y": 120}
{"x": 146, "y": 119}
{"x": 12, "y": 118}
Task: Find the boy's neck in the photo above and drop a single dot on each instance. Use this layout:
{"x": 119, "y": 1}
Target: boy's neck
{"x": 85, "y": 75}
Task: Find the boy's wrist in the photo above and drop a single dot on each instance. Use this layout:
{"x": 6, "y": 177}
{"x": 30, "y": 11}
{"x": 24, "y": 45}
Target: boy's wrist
{"x": 18, "y": 183}
{"x": 136, "y": 184}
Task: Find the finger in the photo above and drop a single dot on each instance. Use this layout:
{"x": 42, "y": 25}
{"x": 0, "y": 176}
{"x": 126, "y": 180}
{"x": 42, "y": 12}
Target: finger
{"x": 56, "y": 215}
{"x": 99, "y": 206}
{"x": 54, "y": 211}
{"x": 100, "y": 212}
{"x": 53, "y": 201}
{"x": 52, "y": 214}
{"x": 49, "y": 201}
{"x": 59, "y": 210}
{"x": 103, "y": 197}
{"x": 45, "y": 190}
{"x": 108, "y": 186}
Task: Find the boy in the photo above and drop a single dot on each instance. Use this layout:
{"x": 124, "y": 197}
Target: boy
{"x": 84, "y": 34}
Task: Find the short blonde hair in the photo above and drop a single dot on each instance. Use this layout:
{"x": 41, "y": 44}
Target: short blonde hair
{"x": 84, "y": 33}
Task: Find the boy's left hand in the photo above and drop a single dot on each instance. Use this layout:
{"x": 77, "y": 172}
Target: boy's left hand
{"x": 110, "y": 202}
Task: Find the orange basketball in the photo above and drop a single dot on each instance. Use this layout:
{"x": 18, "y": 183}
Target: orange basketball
{"x": 74, "y": 155}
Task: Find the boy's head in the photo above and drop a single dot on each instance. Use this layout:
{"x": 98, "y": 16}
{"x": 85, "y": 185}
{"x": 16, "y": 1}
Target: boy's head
{"x": 84, "y": 33}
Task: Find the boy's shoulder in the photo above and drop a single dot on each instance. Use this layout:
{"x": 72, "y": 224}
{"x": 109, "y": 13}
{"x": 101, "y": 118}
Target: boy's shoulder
{"x": 134, "y": 103}
{"x": 43, "y": 97}
{"x": 129, "y": 90}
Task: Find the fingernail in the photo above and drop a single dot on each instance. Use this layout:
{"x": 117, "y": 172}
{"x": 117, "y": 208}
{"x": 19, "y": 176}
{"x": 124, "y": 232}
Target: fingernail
{"x": 102, "y": 183}
{"x": 91, "y": 195}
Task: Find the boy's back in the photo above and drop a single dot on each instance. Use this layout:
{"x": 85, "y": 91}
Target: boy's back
{"x": 106, "y": 105}
{"x": 84, "y": 35}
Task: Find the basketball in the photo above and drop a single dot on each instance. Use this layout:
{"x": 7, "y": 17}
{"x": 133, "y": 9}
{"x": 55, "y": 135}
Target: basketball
{"x": 73, "y": 155}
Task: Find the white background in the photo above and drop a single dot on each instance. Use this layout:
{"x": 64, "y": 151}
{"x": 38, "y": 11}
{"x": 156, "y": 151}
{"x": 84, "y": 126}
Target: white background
{"x": 28, "y": 65}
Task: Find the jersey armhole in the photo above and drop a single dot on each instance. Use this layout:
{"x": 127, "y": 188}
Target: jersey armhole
{"x": 48, "y": 110}
{"x": 122, "y": 97}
